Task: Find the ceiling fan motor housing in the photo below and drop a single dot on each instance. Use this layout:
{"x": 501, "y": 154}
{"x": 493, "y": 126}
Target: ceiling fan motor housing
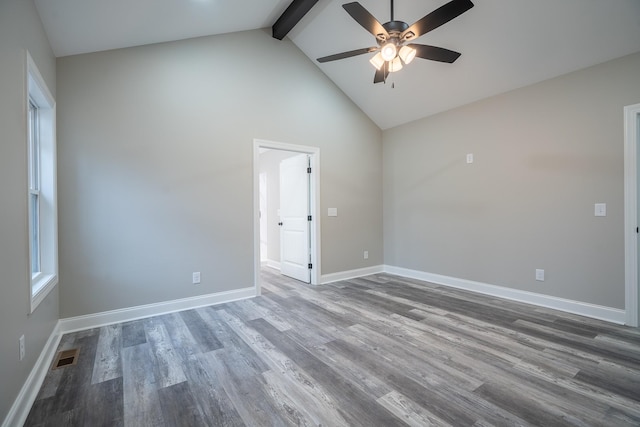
{"x": 394, "y": 30}
{"x": 395, "y": 26}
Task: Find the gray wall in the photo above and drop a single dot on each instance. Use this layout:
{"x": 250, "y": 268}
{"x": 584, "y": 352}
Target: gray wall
{"x": 155, "y": 164}
{"x": 270, "y": 165}
{"x": 544, "y": 155}
{"x": 20, "y": 29}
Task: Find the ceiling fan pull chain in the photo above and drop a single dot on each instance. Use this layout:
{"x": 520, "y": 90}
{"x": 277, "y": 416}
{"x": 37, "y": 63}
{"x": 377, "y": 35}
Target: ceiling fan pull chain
{"x": 386, "y": 73}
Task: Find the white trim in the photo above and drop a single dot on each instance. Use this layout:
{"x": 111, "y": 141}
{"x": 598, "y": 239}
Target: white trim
{"x": 72, "y": 324}
{"x": 34, "y": 78}
{"x": 36, "y": 89}
{"x": 43, "y": 285}
{"x": 350, "y": 274}
{"x": 22, "y": 405}
{"x": 314, "y": 154}
{"x": 631, "y": 141}
{"x": 608, "y": 314}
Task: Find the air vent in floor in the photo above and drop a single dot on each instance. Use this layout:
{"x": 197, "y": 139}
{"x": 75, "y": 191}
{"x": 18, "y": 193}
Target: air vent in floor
{"x": 66, "y": 358}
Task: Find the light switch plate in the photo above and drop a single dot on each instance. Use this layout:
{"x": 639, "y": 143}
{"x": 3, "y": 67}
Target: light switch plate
{"x": 601, "y": 209}
{"x": 470, "y": 158}
{"x": 332, "y": 212}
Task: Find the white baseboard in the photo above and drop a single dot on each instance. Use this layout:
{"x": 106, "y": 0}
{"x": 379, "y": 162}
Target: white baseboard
{"x": 273, "y": 264}
{"x": 22, "y": 405}
{"x": 608, "y": 314}
{"x": 350, "y": 274}
{"x": 72, "y": 324}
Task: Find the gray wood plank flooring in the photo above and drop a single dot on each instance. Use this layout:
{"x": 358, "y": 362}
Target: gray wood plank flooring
{"x": 374, "y": 351}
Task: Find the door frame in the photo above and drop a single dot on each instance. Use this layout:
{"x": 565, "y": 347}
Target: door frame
{"x": 314, "y": 196}
{"x": 631, "y": 150}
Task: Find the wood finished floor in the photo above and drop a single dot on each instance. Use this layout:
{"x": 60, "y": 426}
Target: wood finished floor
{"x": 374, "y": 351}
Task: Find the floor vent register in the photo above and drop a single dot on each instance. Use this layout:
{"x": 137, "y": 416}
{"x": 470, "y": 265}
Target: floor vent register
{"x": 66, "y": 358}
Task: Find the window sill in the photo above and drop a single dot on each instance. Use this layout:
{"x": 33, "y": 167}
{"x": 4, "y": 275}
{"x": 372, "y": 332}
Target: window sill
{"x": 41, "y": 286}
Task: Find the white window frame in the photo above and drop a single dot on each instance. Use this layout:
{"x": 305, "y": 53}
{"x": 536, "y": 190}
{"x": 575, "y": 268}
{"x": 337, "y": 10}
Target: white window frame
{"x": 42, "y": 202}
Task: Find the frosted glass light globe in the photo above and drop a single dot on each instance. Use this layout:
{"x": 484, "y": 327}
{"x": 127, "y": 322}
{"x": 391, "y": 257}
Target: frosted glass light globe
{"x": 388, "y": 51}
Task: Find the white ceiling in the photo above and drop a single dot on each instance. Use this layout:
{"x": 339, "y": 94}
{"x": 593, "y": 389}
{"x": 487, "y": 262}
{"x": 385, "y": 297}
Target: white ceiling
{"x": 505, "y": 44}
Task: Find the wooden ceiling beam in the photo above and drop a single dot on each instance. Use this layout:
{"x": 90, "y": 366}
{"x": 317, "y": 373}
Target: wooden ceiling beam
{"x": 291, "y": 16}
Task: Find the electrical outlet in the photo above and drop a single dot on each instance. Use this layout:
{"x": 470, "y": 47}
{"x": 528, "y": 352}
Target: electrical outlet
{"x": 366, "y": 254}
{"x": 196, "y": 277}
{"x": 539, "y": 275}
{"x": 22, "y": 347}
{"x": 470, "y": 158}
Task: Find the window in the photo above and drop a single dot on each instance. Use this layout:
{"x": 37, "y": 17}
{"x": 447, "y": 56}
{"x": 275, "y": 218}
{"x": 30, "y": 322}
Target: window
{"x": 42, "y": 198}
{"x": 34, "y": 189}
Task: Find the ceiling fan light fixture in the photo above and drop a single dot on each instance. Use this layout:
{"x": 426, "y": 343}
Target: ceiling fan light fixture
{"x": 377, "y": 61}
{"x": 393, "y": 49}
{"x": 407, "y": 54}
{"x": 395, "y": 65}
{"x": 389, "y": 51}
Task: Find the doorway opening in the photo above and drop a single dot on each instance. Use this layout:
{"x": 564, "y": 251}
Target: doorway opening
{"x": 287, "y": 231}
{"x": 631, "y": 211}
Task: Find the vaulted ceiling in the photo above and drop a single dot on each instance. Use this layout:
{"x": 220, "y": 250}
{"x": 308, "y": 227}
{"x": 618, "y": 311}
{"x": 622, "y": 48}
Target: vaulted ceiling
{"x": 505, "y": 44}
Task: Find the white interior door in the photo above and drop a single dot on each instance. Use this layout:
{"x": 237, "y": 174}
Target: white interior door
{"x": 294, "y": 223}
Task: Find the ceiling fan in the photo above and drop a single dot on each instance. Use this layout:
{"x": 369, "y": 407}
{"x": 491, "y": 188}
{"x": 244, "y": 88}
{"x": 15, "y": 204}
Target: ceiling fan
{"x": 393, "y": 50}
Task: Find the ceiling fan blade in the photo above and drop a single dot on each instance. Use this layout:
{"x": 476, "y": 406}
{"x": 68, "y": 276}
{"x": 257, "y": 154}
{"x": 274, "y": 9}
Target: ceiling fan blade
{"x": 367, "y": 20}
{"x": 435, "y": 53}
{"x": 381, "y": 74}
{"x": 440, "y": 16}
{"x": 349, "y": 54}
